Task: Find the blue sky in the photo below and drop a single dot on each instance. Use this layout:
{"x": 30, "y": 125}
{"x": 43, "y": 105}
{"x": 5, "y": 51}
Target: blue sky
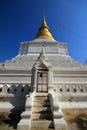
{"x": 20, "y": 20}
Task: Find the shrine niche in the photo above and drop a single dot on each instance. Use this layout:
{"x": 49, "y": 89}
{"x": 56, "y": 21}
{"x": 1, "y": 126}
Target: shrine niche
{"x": 41, "y": 74}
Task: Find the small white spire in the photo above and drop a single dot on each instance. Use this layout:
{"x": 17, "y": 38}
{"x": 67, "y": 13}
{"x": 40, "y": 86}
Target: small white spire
{"x": 42, "y": 55}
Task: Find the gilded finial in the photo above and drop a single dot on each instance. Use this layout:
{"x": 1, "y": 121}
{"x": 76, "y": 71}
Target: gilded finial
{"x": 44, "y": 31}
{"x": 44, "y": 24}
{"x": 44, "y": 20}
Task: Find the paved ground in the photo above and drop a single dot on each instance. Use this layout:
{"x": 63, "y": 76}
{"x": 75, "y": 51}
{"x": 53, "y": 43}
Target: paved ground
{"x": 76, "y": 120}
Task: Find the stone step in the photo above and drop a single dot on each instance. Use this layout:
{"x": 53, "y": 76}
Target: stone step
{"x": 33, "y": 128}
{"x": 41, "y": 109}
{"x": 41, "y": 94}
{"x": 41, "y": 100}
{"x": 44, "y": 104}
{"x": 46, "y": 116}
{"x": 41, "y": 113}
{"x": 42, "y": 123}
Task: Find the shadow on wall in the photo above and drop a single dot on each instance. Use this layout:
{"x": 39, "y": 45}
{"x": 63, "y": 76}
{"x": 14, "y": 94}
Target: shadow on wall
{"x": 14, "y": 96}
{"x": 13, "y": 118}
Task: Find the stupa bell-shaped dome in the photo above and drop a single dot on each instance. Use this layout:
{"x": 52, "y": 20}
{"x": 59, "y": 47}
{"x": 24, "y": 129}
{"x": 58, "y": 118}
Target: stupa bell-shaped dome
{"x": 44, "y": 31}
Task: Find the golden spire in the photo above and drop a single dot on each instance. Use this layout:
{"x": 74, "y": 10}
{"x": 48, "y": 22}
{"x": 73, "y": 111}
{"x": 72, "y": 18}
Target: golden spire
{"x": 44, "y": 31}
